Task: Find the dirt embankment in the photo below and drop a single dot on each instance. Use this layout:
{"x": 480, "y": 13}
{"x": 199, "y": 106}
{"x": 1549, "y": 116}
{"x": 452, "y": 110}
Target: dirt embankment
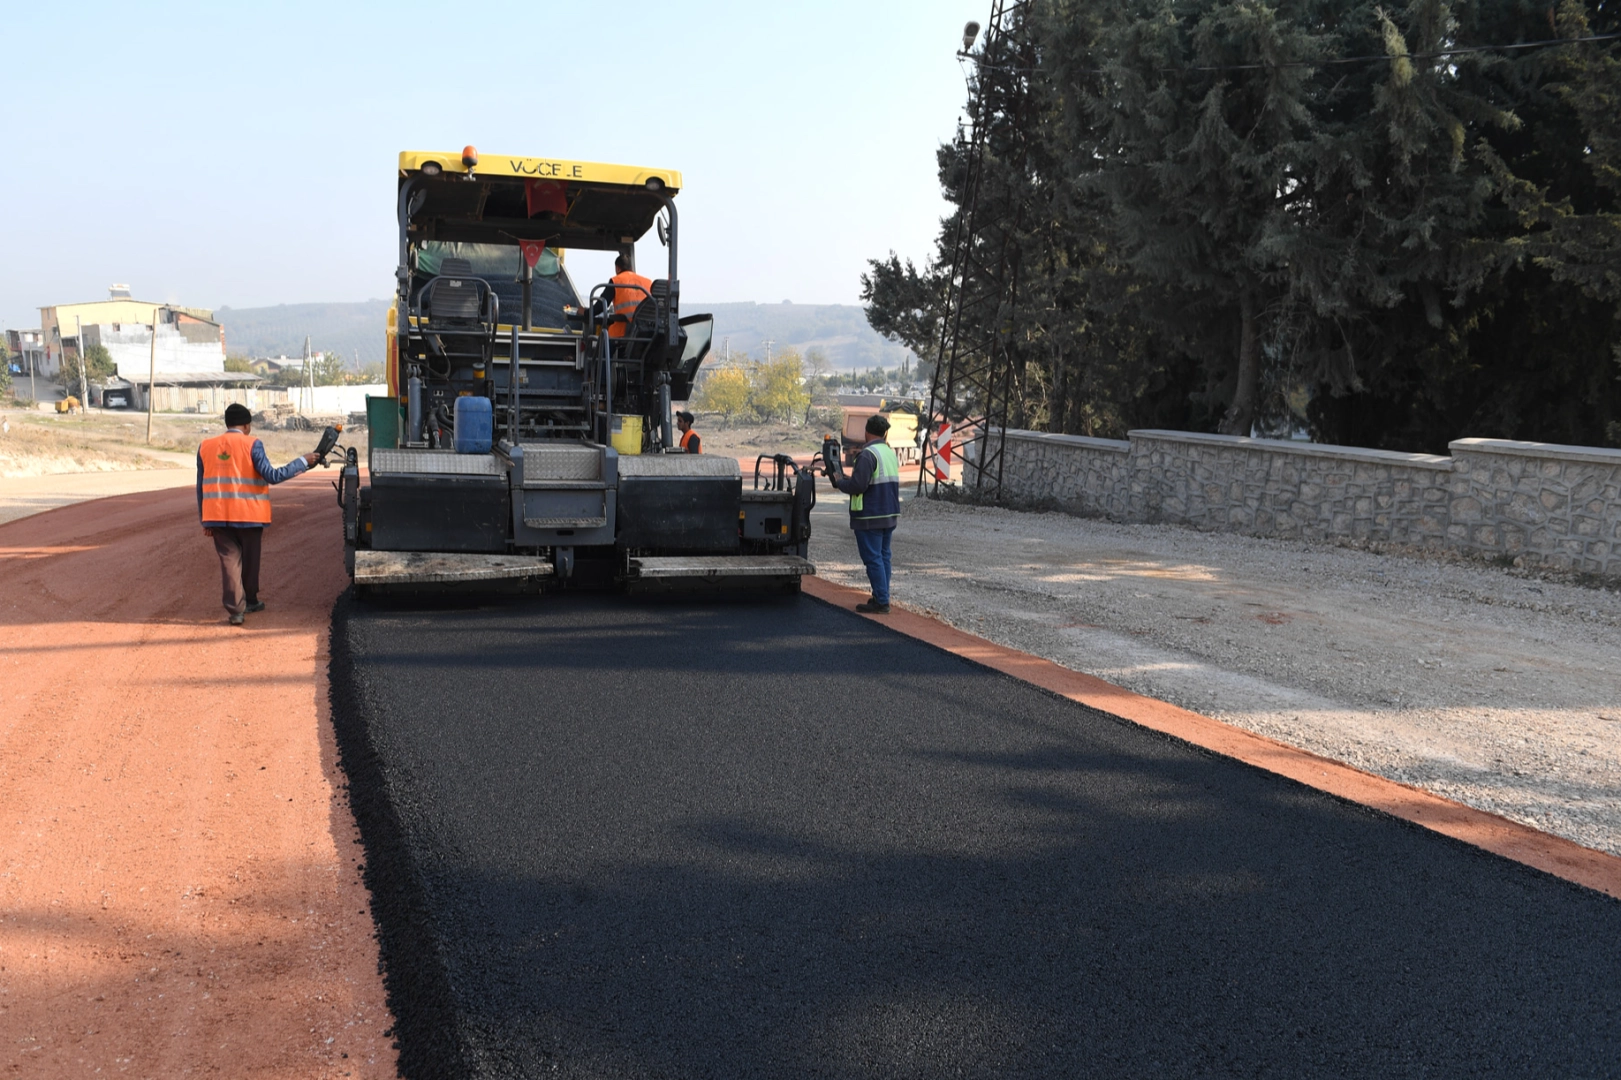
{"x": 40, "y": 444}
{"x": 180, "y": 884}
{"x": 48, "y": 461}
{"x": 749, "y": 440}
{"x": 30, "y": 447}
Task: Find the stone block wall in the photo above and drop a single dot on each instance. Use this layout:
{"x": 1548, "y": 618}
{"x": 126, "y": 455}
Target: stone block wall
{"x": 1560, "y": 505}
{"x": 1295, "y": 490}
{"x": 1088, "y": 476}
{"x": 1555, "y": 505}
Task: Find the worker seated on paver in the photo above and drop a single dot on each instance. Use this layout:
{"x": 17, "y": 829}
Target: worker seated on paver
{"x": 690, "y": 442}
{"x": 625, "y": 300}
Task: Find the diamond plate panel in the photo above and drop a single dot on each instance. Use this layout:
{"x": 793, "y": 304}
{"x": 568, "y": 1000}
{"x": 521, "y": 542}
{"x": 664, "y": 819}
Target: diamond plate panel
{"x": 434, "y": 463}
{"x": 565, "y": 522}
{"x": 707, "y": 466}
{"x": 542, "y": 463}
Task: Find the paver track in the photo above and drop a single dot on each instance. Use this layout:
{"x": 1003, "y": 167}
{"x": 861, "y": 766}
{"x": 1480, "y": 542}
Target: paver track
{"x": 612, "y": 837}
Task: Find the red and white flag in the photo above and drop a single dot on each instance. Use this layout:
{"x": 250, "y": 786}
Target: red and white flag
{"x": 531, "y": 251}
{"x": 545, "y": 195}
{"x": 942, "y": 453}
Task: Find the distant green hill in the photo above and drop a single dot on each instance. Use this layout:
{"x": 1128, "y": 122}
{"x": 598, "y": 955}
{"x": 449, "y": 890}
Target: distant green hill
{"x": 356, "y": 330}
{"x": 839, "y": 330}
{"x": 351, "y": 330}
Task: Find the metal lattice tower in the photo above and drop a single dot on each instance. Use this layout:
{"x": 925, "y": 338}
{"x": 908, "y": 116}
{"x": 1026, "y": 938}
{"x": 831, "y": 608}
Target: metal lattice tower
{"x": 976, "y": 373}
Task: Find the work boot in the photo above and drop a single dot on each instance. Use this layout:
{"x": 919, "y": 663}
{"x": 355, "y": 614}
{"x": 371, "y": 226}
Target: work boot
{"x": 257, "y": 605}
{"x": 873, "y": 607}
{"x": 237, "y": 618}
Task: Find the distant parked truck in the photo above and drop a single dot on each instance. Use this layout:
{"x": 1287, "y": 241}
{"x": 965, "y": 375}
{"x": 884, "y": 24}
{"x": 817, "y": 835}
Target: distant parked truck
{"x": 902, "y": 413}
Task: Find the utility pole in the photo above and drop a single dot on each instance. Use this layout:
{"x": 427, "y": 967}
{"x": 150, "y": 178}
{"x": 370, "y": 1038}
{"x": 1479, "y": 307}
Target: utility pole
{"x": 151, "y": 375}
{"x": 309, "y": 377}
{"x": 84, "y": 381}
{"x": 976, "y": 384}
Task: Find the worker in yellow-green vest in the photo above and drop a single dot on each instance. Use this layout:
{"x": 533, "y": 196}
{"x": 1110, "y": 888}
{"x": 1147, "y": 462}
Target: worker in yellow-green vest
{"x": 233, "y": 499}
{"x": 874, "y": 487}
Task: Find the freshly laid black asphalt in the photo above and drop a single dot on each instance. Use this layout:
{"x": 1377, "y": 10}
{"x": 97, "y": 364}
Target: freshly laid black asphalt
{"x": 611, "y": 837}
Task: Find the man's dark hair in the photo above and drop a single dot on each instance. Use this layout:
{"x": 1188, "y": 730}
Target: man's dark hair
{"x": 684, "y": 415}
{"x": 877, "y": 425}
{"x": 237, "y": 415}
{"x": 621, "y": 263}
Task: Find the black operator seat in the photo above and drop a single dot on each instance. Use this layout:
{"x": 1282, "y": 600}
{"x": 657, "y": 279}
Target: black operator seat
{"x": 455, "y": 296}
{"x": 645, "y": 337}
{"x": 457, "y": 315}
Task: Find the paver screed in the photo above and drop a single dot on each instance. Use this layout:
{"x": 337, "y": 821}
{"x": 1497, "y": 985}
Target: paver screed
{"x": 622, "y": 837}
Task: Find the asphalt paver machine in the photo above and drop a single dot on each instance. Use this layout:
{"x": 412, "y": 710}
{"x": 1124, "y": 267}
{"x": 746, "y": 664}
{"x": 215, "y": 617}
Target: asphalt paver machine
{"x": 528, "y": 435}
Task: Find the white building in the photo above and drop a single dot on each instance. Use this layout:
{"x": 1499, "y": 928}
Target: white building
{"x": 186, "y": 345}
{"x": 29, "y": 347}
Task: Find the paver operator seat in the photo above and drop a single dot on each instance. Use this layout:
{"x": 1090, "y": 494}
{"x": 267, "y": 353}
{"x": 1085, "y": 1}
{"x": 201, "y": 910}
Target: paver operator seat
{"x": 457, "y": 314}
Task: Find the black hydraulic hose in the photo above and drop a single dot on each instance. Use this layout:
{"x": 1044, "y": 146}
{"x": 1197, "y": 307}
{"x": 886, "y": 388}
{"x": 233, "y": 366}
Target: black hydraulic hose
{"x": 608, "y": 387}
{"x": 512, "y": 389}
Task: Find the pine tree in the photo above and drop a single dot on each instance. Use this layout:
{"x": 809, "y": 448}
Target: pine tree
{"x": 1223, "y": 213}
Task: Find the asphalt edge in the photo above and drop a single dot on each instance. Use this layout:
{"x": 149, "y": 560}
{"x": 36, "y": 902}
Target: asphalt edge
{"x": 415, "y": 979}
{"x": 1542, "y": 851}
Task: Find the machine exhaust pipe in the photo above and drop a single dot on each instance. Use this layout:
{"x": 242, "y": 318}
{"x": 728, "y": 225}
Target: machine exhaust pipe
{"x": 413, "y": 410}
{"x": 666, "y": 426}
{"x": 512, "y": 387}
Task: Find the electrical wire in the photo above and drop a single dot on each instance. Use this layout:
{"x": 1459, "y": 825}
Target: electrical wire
{"x": 1459, "y": 51}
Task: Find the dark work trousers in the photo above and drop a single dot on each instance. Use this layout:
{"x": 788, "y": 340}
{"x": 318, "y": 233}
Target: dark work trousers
{"x": 238, "y": 550}
{"x": 874, "y": 545}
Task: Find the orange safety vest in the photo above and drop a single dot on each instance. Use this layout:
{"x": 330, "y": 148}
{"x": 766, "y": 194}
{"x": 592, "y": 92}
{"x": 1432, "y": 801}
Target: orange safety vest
{"x": 688, "y": 436}
{"x": 625, "y": 300}
{"x": 233, "y": 491}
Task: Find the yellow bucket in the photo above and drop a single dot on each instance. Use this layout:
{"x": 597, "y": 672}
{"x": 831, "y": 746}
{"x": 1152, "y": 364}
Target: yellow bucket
{"x": 628, "y": 438}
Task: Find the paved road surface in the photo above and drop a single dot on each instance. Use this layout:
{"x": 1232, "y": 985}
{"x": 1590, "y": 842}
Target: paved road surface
{"x": 620, "y": 838}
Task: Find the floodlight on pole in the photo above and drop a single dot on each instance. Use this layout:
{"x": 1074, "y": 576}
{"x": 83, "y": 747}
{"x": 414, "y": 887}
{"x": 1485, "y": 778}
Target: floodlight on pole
{"x": 970, "y": 33}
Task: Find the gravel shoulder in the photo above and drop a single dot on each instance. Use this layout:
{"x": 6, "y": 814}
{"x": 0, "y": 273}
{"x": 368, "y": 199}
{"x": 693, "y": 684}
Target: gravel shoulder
{"x": 1500, "y": 692}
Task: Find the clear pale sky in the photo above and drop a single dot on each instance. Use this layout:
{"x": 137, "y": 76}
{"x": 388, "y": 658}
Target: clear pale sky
{"x": 241, "y": 155}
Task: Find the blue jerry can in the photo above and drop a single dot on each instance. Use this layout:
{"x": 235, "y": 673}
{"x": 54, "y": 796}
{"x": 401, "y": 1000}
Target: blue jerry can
{"x": 474, "y": 421}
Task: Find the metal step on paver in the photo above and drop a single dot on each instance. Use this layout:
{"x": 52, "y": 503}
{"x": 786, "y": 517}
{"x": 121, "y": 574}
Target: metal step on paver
{"x": 712, "y": 566}
{"x": 419, "y": 567}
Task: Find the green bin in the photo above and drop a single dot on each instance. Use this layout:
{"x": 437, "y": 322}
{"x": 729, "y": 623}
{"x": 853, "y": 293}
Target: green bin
{"x": 383, "y": 416}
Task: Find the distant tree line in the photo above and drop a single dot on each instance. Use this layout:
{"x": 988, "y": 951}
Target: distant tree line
{"x": 1372, "y": 221}
{"x": 328, "y": 368}
{"x": 785, "y": 387}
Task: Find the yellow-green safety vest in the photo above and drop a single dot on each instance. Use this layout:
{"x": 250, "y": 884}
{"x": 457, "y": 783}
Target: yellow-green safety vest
{"x": 887, "y": 470}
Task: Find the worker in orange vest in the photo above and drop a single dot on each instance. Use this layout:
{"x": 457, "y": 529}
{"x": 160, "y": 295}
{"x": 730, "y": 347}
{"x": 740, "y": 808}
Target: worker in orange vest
{"x": 625, "y": 300}
{"x": 233, "y": 500}
{"x": 690, "y": 442}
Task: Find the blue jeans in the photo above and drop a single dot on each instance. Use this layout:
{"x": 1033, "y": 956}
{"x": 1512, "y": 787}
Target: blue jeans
{"x": 874, "y": 547}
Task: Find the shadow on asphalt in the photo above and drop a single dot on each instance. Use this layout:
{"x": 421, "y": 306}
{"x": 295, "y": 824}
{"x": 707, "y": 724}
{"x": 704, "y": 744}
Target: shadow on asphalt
{"x": 613, "y": 837}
